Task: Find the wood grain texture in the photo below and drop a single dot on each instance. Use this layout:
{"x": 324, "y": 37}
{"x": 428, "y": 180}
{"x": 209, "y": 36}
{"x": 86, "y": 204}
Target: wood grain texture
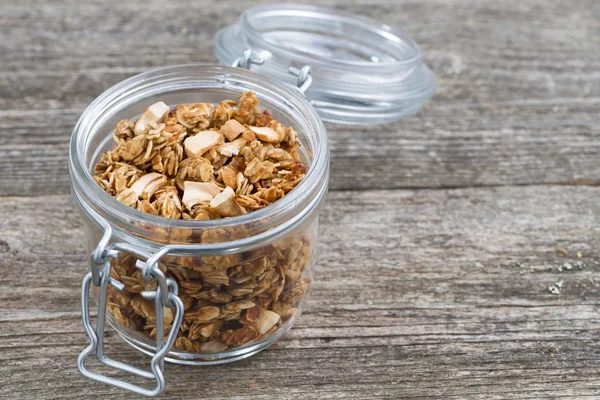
{"x": 437, "y": 244}
{"x": 517, "y": 100}
{"x": 433, "y": 305}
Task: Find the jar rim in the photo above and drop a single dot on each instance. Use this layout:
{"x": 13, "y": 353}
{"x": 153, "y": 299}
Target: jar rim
{"x": 194, "y": 76}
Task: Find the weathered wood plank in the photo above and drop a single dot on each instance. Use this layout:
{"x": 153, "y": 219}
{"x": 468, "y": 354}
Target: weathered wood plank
{"x": 474, "y": 148}
{"x": 517, "y": 100}
{"x": 418, "y": 293}
{"x": 435, "y": 304}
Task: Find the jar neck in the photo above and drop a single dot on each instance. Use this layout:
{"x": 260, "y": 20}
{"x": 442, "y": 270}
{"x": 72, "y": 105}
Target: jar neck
{"x": 198, "y": 83}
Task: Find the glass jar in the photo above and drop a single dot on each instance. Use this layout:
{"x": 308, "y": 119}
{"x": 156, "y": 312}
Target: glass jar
{"x": 207, "y": 292}
{"x": 224, "y": 289}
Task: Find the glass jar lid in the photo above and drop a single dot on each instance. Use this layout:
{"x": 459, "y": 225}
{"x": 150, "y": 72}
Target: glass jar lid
{"x": 352, "y": 69}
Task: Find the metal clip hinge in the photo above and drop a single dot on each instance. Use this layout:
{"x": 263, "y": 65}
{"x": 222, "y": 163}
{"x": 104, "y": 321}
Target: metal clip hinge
{"x": 247, "y": 59}
{"x": 165, "y": 295}
{"x": 304, "y": 77}
{"x": 304, "y": 74}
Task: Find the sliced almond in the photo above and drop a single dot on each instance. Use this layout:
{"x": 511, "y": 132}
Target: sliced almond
{"x": 266, "y": 134}
{"x": 198, "y": 192}
{"x": 232, "y": 129}
{"x": 213, "y": 347}
{"x": 155, "y": 113}
{"x": 224, "y": 203}
{"x": 200, "y": 143}
{"x": 148, "y": 184}
{"x": 231, "y": 149}
{"x": 266, "y": 321}
{"x": 153, "y": 186}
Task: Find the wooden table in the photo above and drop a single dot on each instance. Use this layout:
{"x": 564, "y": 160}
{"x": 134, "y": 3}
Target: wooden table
{"x": 438, "y": 244}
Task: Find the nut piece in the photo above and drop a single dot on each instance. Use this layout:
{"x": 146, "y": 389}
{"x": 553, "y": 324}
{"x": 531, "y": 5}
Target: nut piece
{"x": 155, "y": 113}
{"x": 224, "y": 203}
{"x": 232, "y": 129}
{"x": 199, "y": 144}
{"x": 148, "y": 184}
{"x": 266, "y": 134}
{"x": 266, "y": 321}
{"x": 231, "y": 149}
{"x": 198, "y": 192}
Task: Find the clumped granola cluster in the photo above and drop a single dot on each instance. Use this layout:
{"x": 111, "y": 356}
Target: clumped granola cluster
{"x": 200, "y": 162}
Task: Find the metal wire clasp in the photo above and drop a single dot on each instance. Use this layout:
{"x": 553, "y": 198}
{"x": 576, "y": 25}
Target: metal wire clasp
{"x": 304, "y": 77}
{"x": 165, "y": 295}
{"x": 246, "y": 59}
{"x": 304, "y": 74}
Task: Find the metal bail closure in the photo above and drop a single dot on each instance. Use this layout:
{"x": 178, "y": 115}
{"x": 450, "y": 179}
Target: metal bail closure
{"x": 304, "y": 74}
{"x": 304, "y": 77}
{"x": 165, "y": 295}
{"x": 246, "y": 59}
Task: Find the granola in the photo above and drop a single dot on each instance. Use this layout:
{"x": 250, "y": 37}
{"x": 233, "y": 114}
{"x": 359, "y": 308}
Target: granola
{"x": 164, "y": 149}
{"x": 201, "y": 162}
